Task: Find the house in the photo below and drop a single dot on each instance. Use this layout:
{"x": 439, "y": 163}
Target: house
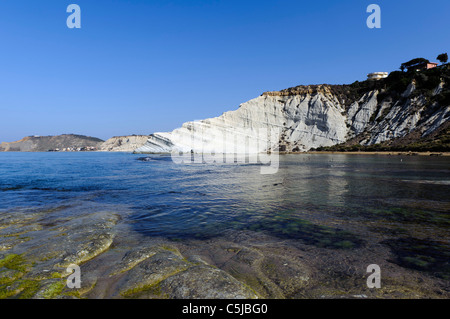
{"x": 425, "y": 66}
{"x": 377, "y": 75}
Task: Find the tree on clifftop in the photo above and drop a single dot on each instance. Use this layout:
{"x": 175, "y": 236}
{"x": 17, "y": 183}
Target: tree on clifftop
{"x": 410, "y": 65}
{"x": 443, "y": 58}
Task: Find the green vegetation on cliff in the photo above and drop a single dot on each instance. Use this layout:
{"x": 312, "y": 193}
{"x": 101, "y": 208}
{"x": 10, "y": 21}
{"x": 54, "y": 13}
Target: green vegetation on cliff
{"x": 391, "y": 89}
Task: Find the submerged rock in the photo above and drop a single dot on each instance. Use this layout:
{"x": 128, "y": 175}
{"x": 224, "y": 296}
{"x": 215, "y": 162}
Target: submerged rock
{"x": 75, "y": 241}
{"x": 118, "y": 264}
{"x": 133, "y": 257}
{"x": 36, "y": 267}
{"x": 205, "y": 282}
{"x": 49, "y": 289}
{"x": 167, "y": 274}
{"x": 51, "y": 244}
{"x": 96, "y": 244}
{"x": 151, "y": 271}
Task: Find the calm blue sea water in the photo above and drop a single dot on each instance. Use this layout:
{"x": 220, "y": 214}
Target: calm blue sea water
{"x": 161, "y": 198}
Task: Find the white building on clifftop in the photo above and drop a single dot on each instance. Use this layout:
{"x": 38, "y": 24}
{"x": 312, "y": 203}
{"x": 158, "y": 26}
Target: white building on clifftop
{"x": 377, "y": 75}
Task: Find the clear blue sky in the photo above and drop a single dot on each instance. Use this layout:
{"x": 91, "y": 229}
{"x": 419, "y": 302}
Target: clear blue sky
{"x": 138, "y": 67}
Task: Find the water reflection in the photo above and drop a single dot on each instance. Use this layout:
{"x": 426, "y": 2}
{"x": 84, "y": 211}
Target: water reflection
{"x": 330, "y": 201}
{"x": 206, "y": 200}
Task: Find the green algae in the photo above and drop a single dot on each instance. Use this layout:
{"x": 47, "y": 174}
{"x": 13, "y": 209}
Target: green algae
{"x": 172, "y": 249}
{"x": 52, "y": 290}
{"x": 14, "y": 286}
{"x": 147, "y": 290}
{"x": 151, "y": 288}
{"x": 29, "y": 288}
{"x": 410, "y": 215}
{"x": 291, "y": 227}
{"x": 24, "y": 289}
{"x": 6, "y": 293}
{"x": 425, "y": 255}
{"x": 56, "y": 275}
{"x": 8, "y": 276}
{"x": 14, "y": 262}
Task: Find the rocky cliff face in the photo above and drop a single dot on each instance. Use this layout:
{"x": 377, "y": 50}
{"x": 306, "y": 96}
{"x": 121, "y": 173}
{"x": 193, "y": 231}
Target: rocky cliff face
{"x": 300, "y": 122}
{"x": 393, "y": 119}
{"x": 124, "y": 143}
{"x": 66, "y": 142}
{"x": 307, "y": 117}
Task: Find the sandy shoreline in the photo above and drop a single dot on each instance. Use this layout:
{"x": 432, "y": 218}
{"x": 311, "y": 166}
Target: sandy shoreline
{"x": 380, "y": 153}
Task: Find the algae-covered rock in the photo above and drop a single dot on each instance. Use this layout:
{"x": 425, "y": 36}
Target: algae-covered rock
{"x": 75, "y": 241}
{"x": 22, "y": 218}
{"x": 53, "y": 244}
{"x": 93, "y": 245}
{"x": 167, "y": 274}
{"x": 151, "y": 271}
{"x": 7, "y": 275}
{"x": 135, "y": 256}
{"x": 50, "y": 289}
{"x": 10, "y": 242}
{"x": 269, "y": 273}
{"x": 205, "y": 282}
{"x": 16, "y": 230}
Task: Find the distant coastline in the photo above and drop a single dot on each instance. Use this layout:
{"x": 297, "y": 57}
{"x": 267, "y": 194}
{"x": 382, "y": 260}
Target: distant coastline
{"x": 127, "y": 144}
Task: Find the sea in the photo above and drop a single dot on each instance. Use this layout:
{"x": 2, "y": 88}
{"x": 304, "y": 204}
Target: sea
{"x": 331, "y": 201}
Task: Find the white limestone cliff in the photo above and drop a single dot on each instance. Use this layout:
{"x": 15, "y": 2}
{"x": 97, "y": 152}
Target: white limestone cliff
{"x": 298, "y": 121}
{"x": 301, "y": 122}
{"x": 124, "y": 143}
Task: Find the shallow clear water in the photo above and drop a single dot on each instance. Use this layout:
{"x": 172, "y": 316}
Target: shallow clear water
{"x": 170, "y": 199}
{"x": 330, "y": 201}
